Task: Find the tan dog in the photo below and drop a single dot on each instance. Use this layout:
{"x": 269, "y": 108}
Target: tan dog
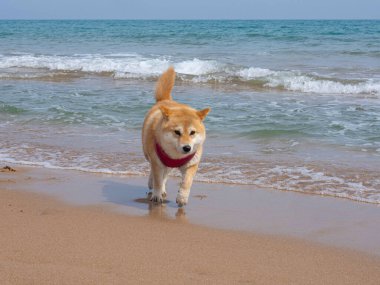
{"x": 172, "y": 137}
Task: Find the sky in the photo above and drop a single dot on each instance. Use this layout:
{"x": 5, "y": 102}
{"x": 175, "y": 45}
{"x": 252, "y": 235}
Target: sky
{"x": 190, "y": 9}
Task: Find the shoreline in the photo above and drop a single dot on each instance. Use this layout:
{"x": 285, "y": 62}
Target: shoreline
{"x": 278, "y": 164}
{"x": 49, "y": 241}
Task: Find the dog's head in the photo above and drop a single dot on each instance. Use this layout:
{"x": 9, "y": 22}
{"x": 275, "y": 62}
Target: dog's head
{"x": 182, "y": 131}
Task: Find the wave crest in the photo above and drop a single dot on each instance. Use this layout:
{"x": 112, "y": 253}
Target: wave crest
{"x": 124, "y": 66}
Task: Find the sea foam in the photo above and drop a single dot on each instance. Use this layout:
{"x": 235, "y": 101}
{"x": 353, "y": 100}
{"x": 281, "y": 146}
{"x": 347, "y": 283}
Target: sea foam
{"x": 124, "y": 66}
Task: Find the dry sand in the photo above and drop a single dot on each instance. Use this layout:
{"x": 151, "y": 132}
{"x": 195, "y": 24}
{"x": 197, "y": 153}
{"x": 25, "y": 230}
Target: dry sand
{"x": 44, "y": 241}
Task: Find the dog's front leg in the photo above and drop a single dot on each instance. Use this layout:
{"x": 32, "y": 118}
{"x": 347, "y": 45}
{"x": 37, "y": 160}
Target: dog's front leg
{"x": 159, "y": 176}
{"x": 150, "y": 181}
{"x": 187, "y": 180}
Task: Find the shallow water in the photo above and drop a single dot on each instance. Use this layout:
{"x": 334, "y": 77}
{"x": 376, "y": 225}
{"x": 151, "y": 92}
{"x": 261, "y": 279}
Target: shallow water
{"x": 295, "y": 104}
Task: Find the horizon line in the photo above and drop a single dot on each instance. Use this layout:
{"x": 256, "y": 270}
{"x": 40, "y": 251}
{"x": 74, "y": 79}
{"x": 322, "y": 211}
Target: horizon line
{"x": 189, "y": 19}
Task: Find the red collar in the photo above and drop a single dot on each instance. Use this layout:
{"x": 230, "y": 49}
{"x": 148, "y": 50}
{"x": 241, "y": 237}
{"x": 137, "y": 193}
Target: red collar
{"x": 170, "y": 162}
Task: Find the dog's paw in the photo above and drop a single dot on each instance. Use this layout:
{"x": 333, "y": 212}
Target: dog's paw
{"x": 156, "y": 198}
{"x": 181, "y": 200}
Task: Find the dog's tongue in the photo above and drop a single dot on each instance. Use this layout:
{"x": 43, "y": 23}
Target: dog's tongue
{"x": 170, "y": 162}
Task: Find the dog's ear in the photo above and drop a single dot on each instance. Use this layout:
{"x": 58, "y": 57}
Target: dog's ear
{"x": 165, "y": 111}
{"x": 203, "y": 113}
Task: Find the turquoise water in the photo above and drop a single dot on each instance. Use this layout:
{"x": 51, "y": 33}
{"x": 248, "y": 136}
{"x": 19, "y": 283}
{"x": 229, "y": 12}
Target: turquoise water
{"x": 295, "y": 104}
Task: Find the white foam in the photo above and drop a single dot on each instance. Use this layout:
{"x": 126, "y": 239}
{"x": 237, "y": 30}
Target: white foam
{"x": 316, "y": 182}
{"x": 295, "y": 81}
{"x": 308, "y": 84}
{"x": 89, "y": 63}
{"x": 123, "y": 65}
{"x": 194, "y": 70}
{"x": 254, "y": 72}
{"x": 198, "y": 67}
{"x": 47, "y": 164}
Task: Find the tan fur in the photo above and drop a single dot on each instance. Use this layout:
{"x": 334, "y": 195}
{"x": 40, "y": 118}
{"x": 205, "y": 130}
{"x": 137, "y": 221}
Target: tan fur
{"x": 165, "y": 85}
{"x": 160, "y": 124}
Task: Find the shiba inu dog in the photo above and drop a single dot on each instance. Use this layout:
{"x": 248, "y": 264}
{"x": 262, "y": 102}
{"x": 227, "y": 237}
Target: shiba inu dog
{"x": 172, "y": 137}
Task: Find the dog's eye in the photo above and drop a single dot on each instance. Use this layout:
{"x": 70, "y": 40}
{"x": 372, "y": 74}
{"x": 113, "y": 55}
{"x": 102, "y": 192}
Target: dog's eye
{"x": 177, "y": 132}
{"x": 192, "y": 133}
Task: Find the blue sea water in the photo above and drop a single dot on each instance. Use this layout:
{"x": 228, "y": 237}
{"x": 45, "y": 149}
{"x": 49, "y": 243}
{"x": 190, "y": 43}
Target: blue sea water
{"x": 295, "y": 104}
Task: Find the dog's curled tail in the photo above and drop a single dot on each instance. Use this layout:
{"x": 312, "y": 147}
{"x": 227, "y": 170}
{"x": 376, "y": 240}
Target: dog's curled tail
{"x": 165, "y": 85}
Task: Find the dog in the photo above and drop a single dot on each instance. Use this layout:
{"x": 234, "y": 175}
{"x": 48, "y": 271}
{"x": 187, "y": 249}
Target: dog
{"x": 172, "y": 137}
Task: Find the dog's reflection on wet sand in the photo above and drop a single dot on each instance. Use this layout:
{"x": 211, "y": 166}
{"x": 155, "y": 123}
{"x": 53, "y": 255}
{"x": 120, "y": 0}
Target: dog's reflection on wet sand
{"x": 156, "y": 210}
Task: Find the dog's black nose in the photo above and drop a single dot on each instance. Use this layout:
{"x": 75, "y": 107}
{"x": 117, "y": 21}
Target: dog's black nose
{"x": 186, "y": 148}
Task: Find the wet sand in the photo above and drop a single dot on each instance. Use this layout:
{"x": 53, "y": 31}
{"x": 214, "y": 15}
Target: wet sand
{"x": 106, "y": 233}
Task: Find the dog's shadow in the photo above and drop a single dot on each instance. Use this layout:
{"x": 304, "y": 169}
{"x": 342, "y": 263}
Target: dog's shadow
{"x": 135, "y": 196}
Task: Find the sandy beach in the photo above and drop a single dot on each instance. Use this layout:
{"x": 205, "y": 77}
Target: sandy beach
{"x": 49, "y": 239}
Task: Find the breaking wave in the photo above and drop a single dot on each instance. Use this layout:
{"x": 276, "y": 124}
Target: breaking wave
{"x": 197, "y": 71}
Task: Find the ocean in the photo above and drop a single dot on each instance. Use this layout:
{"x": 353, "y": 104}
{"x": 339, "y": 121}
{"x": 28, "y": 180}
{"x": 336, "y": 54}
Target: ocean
{"x": 295, "y": 104}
